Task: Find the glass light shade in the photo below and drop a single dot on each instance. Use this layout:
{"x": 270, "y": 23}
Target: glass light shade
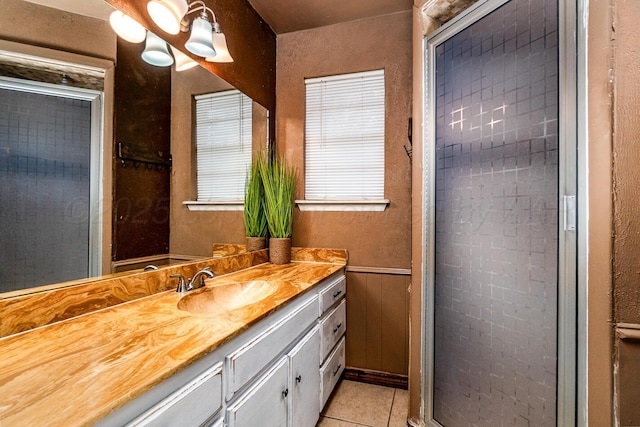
{"x": 183, "y": 62}
{"x": 167, "y": 14}
{"x": 200, "y": 43}
{"x": 222, "y": 51}
{"x": 126, "y": 27}
{"x": 156, "y": 51}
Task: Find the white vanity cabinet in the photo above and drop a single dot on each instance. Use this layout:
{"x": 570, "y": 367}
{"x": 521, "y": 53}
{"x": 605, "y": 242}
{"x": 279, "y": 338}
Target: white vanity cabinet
{"x": 333, "y": 325}
{"x": 265, "y": 403}
{"x": 285, "y": 395}
{"x": 279, "y": 372}
{"x": 191, "y": 405}
{"x": 258, "y": 346}
{"x": 304, "y": 381}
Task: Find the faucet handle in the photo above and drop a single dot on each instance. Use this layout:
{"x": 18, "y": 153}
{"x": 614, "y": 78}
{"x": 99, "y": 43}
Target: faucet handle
{"x": 182, "y": 283}
{"x": 197, "y": 281}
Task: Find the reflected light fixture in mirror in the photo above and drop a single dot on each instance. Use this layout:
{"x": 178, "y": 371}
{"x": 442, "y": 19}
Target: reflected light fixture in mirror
{"x": 183, "y": 62}
{"x": 126, "y": 27}
{"x": 167, "y": 14}
{"x": 206, "y": 39}
{"x": 220, "y": 45}
{"x": 156, "y": 51}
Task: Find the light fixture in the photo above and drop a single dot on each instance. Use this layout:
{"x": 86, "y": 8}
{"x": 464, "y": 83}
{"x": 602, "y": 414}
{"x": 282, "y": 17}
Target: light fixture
{"x": 167, "y": 14}
{"x": 200, "y": 42}
{"x": 183, "y": 62}
{"x": 220, "y": 45}
{"x": 156, "y": 52}
{"x": 127, "y": 27}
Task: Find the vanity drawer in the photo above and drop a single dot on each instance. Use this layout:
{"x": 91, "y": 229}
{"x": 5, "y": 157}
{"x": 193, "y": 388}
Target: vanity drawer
{"x": 332, "y": 294}
{"x": 330, "y": 372}
{"x": 333, "y": 327}
{"x": 191, "y": 405}
{"x": 251, "y": 357}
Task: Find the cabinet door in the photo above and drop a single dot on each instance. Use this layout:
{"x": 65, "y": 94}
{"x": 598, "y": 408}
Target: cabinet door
{"x": 191, "y": 405}
{"x": 264, "y": 404}
{"x": 304, "y": 360}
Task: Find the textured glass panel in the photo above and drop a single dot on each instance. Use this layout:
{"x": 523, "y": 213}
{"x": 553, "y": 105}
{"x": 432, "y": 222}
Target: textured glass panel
{"x": 45, "y": 144}
{"x": 497, "y": 220}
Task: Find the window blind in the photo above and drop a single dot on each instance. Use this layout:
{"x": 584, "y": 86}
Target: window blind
{"x": 344, "y": 137}
{"x": 223, "y": 145}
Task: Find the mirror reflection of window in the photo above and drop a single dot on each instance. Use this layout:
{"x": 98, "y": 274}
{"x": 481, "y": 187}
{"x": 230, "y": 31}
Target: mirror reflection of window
{"x": 223, "y": 144}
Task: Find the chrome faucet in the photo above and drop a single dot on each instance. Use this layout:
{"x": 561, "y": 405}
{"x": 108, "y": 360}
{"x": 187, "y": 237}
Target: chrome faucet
{"x": 182, "y": 284}
{"x": 197, "y": 281}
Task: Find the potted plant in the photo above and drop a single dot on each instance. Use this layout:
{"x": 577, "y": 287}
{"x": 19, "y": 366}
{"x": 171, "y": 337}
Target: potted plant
{"x": 279, "y": 180}
{"x": 255, "y": 220}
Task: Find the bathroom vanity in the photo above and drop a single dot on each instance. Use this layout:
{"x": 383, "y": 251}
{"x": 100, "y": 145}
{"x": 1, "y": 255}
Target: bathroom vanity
{"x": 260, "y": 346}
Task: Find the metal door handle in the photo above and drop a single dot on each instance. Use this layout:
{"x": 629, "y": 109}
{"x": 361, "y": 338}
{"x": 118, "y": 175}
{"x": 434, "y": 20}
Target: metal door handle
{"x": 337, "y": 328}
{"x": 337, "y": 369}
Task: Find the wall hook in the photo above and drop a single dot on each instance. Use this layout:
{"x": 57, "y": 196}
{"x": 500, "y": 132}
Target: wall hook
{"x": 409, "y": 150}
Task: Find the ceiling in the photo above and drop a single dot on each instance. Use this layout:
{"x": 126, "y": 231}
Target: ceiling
{"x": 94, "y": 8}
{"x": 285, "y": 16}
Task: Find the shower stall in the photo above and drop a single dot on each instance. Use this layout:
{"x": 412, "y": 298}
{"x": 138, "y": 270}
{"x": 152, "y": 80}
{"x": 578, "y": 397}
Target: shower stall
{"x": 500, "y": 238}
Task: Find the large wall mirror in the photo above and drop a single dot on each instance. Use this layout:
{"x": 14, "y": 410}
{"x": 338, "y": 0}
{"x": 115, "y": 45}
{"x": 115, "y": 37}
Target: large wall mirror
{"x": 49, "y": 184}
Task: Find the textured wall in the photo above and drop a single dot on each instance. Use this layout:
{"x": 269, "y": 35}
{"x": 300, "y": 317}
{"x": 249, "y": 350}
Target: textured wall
{"x": 194, "y": 232}
{"x": 142, "y": 105}
{"x": 377, "y": 303}
{"x": 372, "y": 238}
{"x": 626, "y": 205}
{"x": 36, "y": 25}
{"x": 626, "y": 174}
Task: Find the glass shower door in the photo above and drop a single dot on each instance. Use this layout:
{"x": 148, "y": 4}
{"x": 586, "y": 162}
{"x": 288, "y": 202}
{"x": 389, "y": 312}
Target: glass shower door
{"x": 496, "y": 219}
{"x": 45, "y": 157}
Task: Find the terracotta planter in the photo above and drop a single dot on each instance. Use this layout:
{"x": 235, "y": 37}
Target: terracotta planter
{"x": 256, "y": 243}
{"x": 280, "y": 250}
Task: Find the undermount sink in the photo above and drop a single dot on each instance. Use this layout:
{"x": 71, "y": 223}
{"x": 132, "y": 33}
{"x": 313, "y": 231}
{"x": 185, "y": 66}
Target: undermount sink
{"x": 227, "y": 297}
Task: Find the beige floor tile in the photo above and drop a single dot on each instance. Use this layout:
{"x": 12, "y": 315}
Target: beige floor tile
{"x": 400, "y": 409}
{"x": 361, "y": 403}
{"x": 330, "y": 422}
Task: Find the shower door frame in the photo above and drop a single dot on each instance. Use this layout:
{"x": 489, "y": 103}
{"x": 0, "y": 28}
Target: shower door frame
{"x": 571, "y": 247}
{"x": 96, "y": 205}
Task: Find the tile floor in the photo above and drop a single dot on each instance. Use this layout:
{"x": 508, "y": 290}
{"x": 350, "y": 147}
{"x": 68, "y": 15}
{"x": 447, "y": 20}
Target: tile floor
{"x": 360, "y": 404}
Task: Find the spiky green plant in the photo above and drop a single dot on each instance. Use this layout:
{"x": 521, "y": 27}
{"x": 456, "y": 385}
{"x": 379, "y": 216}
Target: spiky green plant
{"x": 279, "y": 180}
{"x": 255, "y": 220}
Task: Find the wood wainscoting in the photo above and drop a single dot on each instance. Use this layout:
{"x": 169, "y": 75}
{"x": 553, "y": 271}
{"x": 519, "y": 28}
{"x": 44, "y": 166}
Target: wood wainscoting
{"x": 378, "y": 325}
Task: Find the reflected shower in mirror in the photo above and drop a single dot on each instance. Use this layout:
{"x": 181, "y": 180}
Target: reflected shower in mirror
{"x": 43, "y": 158}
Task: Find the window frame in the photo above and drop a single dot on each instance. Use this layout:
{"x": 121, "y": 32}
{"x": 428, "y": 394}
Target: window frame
{"x": 220, "y": 204}
{"x": 349, "y": 203}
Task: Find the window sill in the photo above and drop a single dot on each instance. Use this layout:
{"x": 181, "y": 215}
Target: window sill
{"x": 215, "y": 205}
{"x": 343, "y": 205}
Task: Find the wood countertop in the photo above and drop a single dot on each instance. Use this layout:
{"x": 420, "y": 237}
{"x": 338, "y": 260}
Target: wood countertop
{"x": 77, "y": 371}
